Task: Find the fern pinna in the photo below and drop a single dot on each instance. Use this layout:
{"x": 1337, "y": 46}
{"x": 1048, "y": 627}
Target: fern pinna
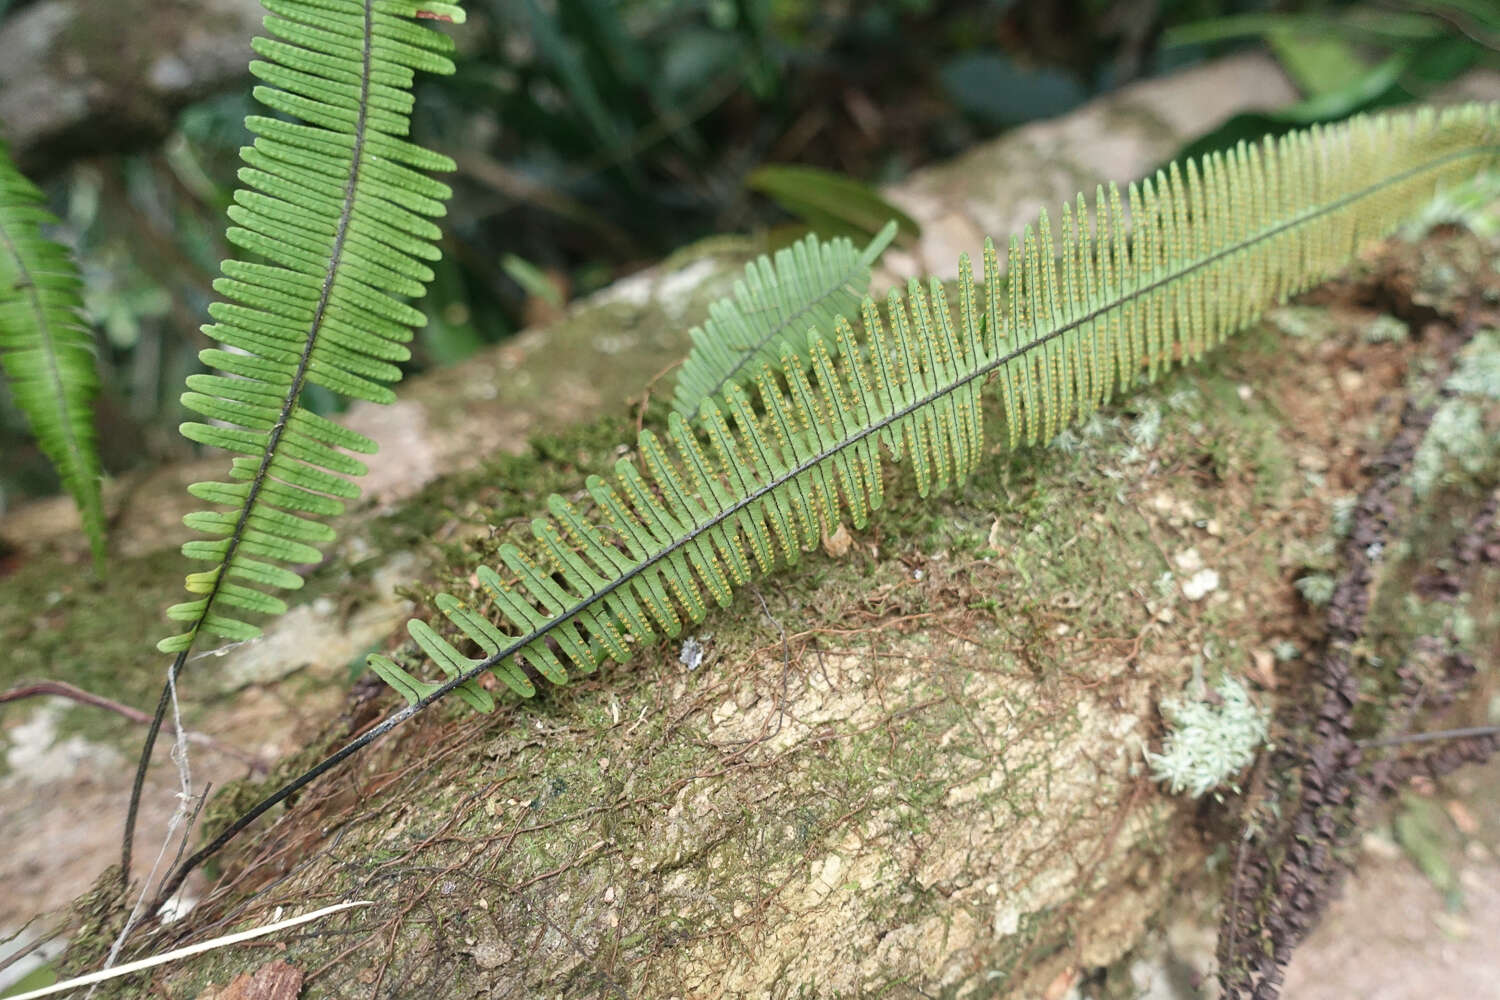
{"x": 1139, "y": 285}
{"x": 45, "y": 349}
{"x": 809, "y": 285}
{"x": 338, "y": 207}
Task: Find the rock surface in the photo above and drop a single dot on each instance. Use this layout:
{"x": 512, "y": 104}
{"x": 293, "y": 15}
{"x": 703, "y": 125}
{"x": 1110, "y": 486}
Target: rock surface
{"x": 75, "y": 84}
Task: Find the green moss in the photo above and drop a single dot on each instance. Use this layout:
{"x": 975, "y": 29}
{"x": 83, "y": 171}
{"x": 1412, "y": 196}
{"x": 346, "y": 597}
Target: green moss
{"x": 61, "y": 623}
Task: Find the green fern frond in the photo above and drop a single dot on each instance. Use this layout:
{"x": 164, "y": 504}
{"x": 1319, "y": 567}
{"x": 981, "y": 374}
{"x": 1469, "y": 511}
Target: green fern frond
{"x": 1139, "y": 285}
{"x": 810, "y": 284}
{"x": 337, "y": 206}
{"x": 45, "y": 349}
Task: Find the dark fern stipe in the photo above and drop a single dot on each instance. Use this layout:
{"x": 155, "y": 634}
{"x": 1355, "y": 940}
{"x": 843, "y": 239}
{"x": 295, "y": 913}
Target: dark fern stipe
{"x": 1129, "y": 289}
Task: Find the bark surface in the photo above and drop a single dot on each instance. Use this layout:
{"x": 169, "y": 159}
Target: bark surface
{"x": 911, "y": 766}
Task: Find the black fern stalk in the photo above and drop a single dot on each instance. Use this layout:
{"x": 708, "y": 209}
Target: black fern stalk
{"x": 336, "y": 213}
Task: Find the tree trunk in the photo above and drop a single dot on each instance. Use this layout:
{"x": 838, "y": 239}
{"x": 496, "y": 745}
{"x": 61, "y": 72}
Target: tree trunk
{"x": 911, "y": 766}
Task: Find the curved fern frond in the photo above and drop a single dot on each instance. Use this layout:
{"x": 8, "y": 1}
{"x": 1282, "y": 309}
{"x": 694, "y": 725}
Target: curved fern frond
{"x": 810, "y": 284}
{"x": 1139, "y": 285}
{"x": 45, "y": 349}
{"x": 337, "y": 206}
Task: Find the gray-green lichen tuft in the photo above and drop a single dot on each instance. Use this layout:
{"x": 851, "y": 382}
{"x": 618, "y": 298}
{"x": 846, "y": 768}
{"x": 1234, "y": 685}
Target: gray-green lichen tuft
{"x": 1461, "y": 447}
{"x": 1212, "y": 739}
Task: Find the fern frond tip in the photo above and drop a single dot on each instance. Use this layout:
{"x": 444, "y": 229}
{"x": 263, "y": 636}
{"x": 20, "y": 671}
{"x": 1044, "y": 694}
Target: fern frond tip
{"x": 337, "y": 209}
{"x": 46, "y": 350}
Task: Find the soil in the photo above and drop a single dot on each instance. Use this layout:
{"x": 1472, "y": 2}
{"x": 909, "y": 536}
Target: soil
{"x": 1394, "y": 934}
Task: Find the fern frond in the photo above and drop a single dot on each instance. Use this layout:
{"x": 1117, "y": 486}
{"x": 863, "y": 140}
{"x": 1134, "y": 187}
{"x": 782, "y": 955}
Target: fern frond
{"x": 45, "y": 349}
{"x": 810, "y": 284}
{"x": 338, "y": 208}
{"x": 1140, "y": 285}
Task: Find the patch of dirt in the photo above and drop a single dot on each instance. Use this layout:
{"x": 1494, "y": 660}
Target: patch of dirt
{"x": 1394, "y": 936}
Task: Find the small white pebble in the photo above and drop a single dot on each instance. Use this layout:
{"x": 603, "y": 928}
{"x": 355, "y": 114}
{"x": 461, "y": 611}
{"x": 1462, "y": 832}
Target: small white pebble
{"x": 1189, "y": 561}
{"x": 1200, "y": 584}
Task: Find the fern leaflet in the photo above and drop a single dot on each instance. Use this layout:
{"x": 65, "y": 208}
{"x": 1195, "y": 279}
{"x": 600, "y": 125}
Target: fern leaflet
{"x": 338, "y": 206}
{"x": 46, "y": 350}
{"x": 810, "y": 284}
{"x": 1190, "y": 256}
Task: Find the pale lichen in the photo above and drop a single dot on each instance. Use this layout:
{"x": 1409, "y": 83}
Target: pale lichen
{"x": 1211, "y": 739}
{"x": 1316, "y": 588}
{"x": 1384, "y": 329}
{"x": 1459, "y": 446}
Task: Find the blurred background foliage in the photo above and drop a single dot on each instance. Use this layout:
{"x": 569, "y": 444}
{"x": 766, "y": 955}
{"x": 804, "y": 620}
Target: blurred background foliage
{"x": 594, "y": 136}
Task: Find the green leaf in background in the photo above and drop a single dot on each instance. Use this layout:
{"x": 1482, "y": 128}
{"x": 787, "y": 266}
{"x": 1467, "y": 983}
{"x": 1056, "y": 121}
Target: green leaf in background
{"x": 993, "y": 88}
{"x": 450, "y": 334}
{"x": 1434, "y": 63}
{"x": 1318, "y": 64}
{"x": 46, "y": 351}
{"x": 1422, "y": 44}
{"x": 564, "y": 55}
{"x": 831, "y": 203}
{"x": 1479, "y": 19}
{"x": 531, "y": 279}
{"x": 1355, "y": 24}
{"x": 1379, "y": 87}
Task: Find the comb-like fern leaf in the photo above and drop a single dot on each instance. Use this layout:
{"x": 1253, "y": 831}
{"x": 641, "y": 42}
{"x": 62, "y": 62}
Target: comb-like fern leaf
{"x": 337, "y": 209}
{"x": 1140, "y": 285}
{"x": 45, "y": 349}
{"x": 810, "y": 284}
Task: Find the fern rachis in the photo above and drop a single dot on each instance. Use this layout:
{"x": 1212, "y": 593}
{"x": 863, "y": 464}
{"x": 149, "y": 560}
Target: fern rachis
{"x": 1202, "y": 249}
